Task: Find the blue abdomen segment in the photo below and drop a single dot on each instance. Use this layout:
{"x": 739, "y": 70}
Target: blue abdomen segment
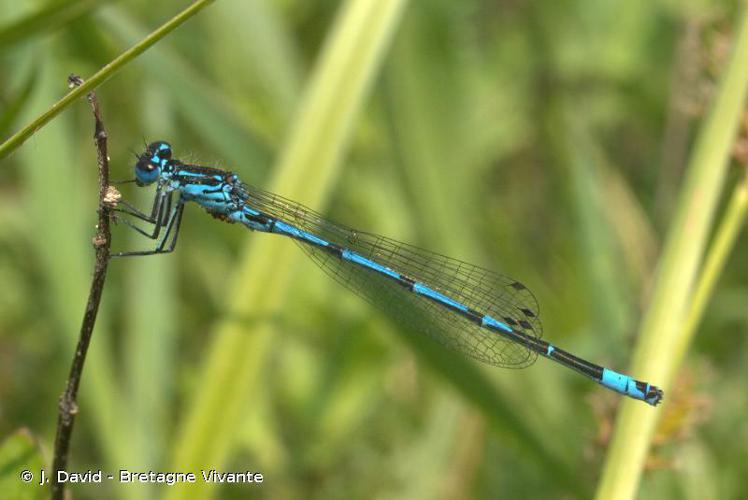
{"x": 294, "y": 232}
{"x": 424, "y": 290}
{"x": 629, "y": 387}
{"x": 368, "y": 263}
{"x": 488, "y": 321}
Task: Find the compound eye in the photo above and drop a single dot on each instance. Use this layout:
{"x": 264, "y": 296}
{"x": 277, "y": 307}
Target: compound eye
{"x": 158, "y": 151}
{"x": 146, "y": 172}
{"x": 163, "y": 150}
{"x": 144, "y": 164}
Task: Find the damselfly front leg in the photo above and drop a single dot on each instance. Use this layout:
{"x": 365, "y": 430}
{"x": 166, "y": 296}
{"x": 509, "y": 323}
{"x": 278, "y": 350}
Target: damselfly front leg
{"x": 171, "y": 235}
{"x": 162, "y": 215}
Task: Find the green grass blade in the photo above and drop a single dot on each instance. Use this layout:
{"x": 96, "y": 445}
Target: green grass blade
{"x": 662, "y": 328}
{"x": 307, "y": 170}
{"x": 194, "y": 96}
{"x": 13, "y": 106}
{"x": 431, "y": 134}
{"x": 716, "y": 259}
{"x": 473, "y": 385}
{"x": 610, "y": 304}
{"x": 48, "y": 18}
{"x": 256, "y": 29}
{"x": 101, "y": 76}
{"x": 21, "y": 452}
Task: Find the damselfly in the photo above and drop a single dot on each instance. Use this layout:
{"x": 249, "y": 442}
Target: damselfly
{"x": 484, "y": 315}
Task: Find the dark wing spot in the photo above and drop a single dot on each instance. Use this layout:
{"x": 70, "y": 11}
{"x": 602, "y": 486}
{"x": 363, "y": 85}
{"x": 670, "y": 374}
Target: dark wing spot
{"x": 527, "y": 312}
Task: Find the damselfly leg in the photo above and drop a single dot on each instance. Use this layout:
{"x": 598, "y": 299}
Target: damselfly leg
{"x": 162, "y": 216}
{"x": 160, "y": 211}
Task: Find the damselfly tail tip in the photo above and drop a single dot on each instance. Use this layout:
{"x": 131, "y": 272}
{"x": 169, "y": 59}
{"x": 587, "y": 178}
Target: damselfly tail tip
{"x": 654, "y": 395}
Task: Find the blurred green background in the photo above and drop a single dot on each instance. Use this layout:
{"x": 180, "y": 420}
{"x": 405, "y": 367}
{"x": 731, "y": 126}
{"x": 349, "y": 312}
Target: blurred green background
{"x": 544, "y": 140}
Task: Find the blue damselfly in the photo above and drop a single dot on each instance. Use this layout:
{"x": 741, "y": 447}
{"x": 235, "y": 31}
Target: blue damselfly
{"x": 482, "y": 314}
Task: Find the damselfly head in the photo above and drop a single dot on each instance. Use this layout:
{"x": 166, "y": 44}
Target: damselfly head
{"x": 151, "y": 163}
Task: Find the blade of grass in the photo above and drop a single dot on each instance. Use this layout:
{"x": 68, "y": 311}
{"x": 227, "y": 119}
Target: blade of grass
{"x": 662, "y": 328}
{"x": 430, "y": 134}
{"x": 307, "y": 170}
{"x": 101, "y": 76}
{"x": 633, "y": 230}
{"x": 194, "y": 96}
{"x": 13, "y": 106}
{"x": 49, "y": 17}
{"x": 612, "y": 306}
{"x": 257, "y": 29}
{"x": 714, "y": 264}
{"x": 21, "y": 452}
{"x": 472, "y": 383}
{"x": 418, "y": 463}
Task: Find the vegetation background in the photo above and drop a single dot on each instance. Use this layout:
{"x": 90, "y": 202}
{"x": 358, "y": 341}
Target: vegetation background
{"x": 545, "y": 140}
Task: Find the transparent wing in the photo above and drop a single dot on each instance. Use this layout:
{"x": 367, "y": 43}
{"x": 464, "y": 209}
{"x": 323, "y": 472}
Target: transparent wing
{"x": 501, "y": 297}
